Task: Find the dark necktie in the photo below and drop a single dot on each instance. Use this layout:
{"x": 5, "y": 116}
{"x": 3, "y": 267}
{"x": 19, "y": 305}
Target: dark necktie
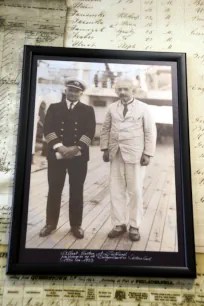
{"x": 125, "y": 110}
{"x": 71, "y": 105}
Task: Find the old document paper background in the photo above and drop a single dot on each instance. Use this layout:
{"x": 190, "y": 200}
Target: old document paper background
{"x": 21, "y": 23}
{"x": 135, "y": 25}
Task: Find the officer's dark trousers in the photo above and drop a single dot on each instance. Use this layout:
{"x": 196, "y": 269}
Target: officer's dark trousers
{"x": 57, "y": 170}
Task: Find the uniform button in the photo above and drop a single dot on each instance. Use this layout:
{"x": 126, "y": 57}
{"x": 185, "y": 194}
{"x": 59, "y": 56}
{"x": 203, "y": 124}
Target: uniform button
{"x": 75, "y": 122}
{"x": 62, "y": 122}
{"x": 75, "y": 135}
{"x": 75, "y": 142}
{"x": 62, "y": 129}
{"x": 61, "y": 135}
{"x": 75, "y": 129}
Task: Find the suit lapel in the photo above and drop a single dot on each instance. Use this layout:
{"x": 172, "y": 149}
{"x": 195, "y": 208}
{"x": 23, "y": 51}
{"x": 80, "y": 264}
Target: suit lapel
{"x": 63, "y": 111}
{"x": 132, "y": 109}
{"x": 77, "y": 106}
{"x": 119, "y": 109}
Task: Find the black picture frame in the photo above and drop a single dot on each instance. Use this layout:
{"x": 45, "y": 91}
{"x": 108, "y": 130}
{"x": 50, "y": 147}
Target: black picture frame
{"x": 46, "y": 261}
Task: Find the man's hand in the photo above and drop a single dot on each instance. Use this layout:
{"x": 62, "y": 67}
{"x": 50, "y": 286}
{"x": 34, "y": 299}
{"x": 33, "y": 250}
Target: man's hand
{"x": 62, "y": 150}
{"x": 145, "y": 159}
{"x": 71, "y": 152}
{"x": 68, "y": 152}
{"x": 106, "y": 156}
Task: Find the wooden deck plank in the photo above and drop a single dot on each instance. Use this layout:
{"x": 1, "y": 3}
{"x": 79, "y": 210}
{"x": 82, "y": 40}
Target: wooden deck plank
{"x": 156, "y": 234}
{"x": 65, "y": 198}
{"x": 155, "y": 239}
{"x": 149, "y": 192}
{"x": 39, "y": 220}
{"x": 88, "y": 188}
{"x": 148, "y": 182}
{"x": 93, "y": 228}
{"x": 147, "y": 221}
{"x": 34, "y": 232}
{"x": 159, "y": 223}
{"x": 92, "y": 197}
{"x": 111, "y": 243}
{"x": 98, "y": 240}
{"x": 67, "y": 240}
{"x": 148, "y": 176}
{"x": 38, "y": 198}
{"x": 41, "y": 189}
{"x": 89, "y": 214}
{"x": 153, "y": 246}
{"x": 159, "y": 181}
{"x": 33, "y": 238}
{"x": 35, "y": 215}
{"x": 125, "y": 243}
{"x": 121, "y": 243}
{"x": 38, "y": 178}
{"x": 88, "y": 195}
{"x": 169, "y": 235}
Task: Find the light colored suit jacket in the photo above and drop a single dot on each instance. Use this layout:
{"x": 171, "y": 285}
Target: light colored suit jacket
{"x": 135, "y": 134}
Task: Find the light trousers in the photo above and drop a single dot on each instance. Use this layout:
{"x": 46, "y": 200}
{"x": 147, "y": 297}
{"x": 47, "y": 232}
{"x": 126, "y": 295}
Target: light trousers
{"x": 126, "y": 192}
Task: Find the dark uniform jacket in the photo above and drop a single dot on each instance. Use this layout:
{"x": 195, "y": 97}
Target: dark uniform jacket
{"x": 69, "y": 127}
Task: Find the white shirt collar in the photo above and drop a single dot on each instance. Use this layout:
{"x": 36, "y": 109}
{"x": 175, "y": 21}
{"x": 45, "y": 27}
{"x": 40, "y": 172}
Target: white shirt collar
{"x": 69, "y": 102}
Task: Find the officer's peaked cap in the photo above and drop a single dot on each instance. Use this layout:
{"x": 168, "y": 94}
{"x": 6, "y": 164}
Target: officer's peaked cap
{"x": 71, "y": 82}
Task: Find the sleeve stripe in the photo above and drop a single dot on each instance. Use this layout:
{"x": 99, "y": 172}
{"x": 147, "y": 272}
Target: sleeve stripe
{"x": 50, "y": 137}
{"x": 86, "y": 140}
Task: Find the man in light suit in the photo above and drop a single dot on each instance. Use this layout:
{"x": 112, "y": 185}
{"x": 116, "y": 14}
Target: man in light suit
{"x": 128, "y": 140}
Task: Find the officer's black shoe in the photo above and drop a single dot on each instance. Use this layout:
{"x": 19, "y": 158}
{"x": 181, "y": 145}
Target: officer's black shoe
{"x": 77, "y": 232}
{"x": 46, "y": 230}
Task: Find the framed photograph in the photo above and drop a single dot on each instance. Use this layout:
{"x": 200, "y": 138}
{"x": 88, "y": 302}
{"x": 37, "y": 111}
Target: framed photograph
{"x": 103, "y": 177}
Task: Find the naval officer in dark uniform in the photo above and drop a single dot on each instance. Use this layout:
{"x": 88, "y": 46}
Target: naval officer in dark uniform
{"x": 69, "y": 128}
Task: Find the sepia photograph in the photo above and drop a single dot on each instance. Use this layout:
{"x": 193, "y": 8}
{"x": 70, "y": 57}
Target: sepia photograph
{"x": 102, "y": 176}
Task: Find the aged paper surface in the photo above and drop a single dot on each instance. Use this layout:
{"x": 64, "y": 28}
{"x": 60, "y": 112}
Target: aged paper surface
{"x": 101, "y": 291}
{"x": 159, "y": 25}
{"x": 21, "y": 22}
{"x": 166, "y": 25}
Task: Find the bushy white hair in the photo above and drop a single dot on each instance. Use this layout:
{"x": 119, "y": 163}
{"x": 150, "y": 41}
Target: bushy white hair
{"x": 125, "y": 82}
